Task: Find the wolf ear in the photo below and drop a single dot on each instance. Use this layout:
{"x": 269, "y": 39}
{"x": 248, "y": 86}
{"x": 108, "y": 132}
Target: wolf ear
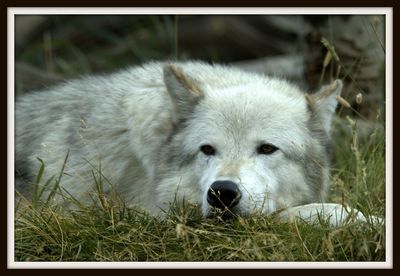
{"x": 184, "y": 91}
{"x": 323, "y": 103}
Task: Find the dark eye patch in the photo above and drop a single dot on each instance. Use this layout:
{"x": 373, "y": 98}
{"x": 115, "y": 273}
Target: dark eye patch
{"x": 207, "y": 150}
{"x": 266, "y": 149}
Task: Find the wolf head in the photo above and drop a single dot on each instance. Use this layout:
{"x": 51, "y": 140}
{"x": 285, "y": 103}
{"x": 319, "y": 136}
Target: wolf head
{"x": 254, "y": 144}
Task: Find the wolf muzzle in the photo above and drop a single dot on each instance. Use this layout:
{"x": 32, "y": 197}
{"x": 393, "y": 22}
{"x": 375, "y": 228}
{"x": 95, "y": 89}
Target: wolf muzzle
{"x": 223, "y": 194}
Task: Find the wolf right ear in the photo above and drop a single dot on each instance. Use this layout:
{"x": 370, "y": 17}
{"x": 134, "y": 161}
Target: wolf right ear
{"x": 184, "y": 91}
{"x": 323, "y": 103}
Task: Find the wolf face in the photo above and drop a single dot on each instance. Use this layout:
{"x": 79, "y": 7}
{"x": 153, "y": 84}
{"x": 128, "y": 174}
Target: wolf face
{"x": 256, "y": 145}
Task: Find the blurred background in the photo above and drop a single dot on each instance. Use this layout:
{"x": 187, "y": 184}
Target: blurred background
{"x": 306, "y": 49}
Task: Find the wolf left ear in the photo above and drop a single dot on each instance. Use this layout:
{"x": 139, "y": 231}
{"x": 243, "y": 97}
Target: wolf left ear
{"x": 323, "y": 103}
{"x": 184, "y": 91}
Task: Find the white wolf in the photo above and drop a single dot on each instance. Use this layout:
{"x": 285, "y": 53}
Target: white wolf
{"x": 211, "y": 135}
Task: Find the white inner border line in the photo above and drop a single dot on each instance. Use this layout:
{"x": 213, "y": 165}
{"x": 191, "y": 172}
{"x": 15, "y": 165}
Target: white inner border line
{"x": 11, "y": 12}
{"x": 200, "y": 10}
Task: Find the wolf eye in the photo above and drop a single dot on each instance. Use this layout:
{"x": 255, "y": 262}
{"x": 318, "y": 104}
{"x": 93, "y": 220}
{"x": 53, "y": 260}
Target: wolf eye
{"x": 266, "y": 149}
{"x": 207, "y": 150}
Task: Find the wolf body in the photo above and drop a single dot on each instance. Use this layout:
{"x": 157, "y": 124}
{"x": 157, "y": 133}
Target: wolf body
{"x": 211, "y": 135}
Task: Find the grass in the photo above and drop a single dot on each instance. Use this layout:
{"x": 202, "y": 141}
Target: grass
{"x": 118, "y": 234}
{"x": 105, "y": 235}
{"x": 110, "y": 231}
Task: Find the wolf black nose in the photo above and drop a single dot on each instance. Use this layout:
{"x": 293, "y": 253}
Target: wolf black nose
{"x": 223, "y": 194}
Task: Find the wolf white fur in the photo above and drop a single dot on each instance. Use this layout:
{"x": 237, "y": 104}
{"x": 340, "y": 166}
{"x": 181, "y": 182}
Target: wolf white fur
{"x": 184, "y": 131}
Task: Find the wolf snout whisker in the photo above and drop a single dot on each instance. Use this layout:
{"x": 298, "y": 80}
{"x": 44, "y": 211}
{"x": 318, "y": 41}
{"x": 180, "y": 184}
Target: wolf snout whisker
{"x": 223, "y": 194}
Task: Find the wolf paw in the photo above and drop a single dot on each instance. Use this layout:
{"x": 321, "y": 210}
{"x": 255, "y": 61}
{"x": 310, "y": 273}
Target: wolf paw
{"x": 335, "y": 214}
